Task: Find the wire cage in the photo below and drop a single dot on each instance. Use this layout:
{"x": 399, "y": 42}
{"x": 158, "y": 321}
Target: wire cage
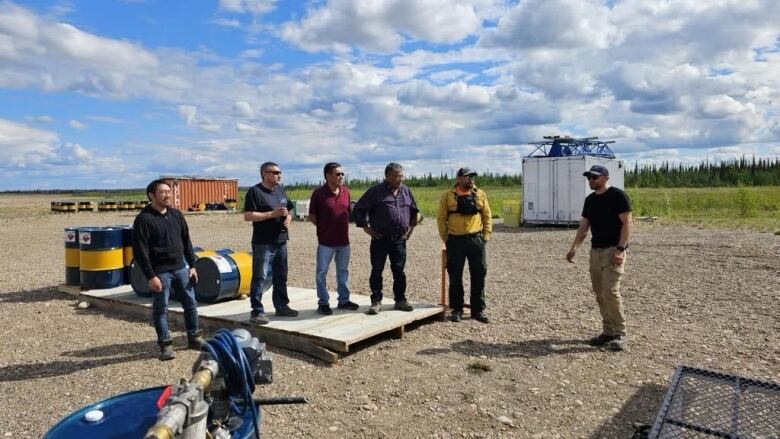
{"x": 706, "y": 404}
{"x": 564, "y": 146}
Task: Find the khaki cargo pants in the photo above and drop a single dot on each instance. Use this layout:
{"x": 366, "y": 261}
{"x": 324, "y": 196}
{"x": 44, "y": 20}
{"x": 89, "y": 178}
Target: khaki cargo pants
{"x": 606, "y": 284}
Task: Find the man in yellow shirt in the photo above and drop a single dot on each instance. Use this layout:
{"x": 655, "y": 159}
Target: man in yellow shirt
{"x": 465, "y": 226}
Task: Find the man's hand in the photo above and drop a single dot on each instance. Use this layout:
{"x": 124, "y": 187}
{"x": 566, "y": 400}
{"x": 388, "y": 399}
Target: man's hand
{"x": 287, "y": 220}
{"x": 409, "y": 233}
{"x": 618, "y": 258}
{"x": 193, "y": 274}
{"x": 155, "y": 285}
{"x": 374, "y": 234}
{"x": 280, "y": 212}
{"x": 570, "y": 255}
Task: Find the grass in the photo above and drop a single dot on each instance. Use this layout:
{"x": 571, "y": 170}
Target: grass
{"x": 478, "y": 367}
{"x": 755, "y": 208}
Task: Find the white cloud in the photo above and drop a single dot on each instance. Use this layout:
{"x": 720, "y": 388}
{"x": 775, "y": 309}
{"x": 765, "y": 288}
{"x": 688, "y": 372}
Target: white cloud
{"x": 243, "y": 109}
{"x": 187, "y": 113}
{"x": 40, "y": 119}
{"x": 256, "y": 7}
{"x": 77, "y": 125}
{"x": 227, "y": 22}
{"x": 382, "y": 26}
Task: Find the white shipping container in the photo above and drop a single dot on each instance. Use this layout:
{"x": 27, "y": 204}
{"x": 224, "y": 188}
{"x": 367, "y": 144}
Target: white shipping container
{"x": 554, "y": 188}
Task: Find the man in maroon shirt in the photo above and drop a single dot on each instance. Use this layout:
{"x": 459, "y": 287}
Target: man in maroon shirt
{"x": 329, "y": 211}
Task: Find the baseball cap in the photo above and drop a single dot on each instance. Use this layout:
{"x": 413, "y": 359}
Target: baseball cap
{"x": 597, "y": 170}
{"x": 466, "y": 171}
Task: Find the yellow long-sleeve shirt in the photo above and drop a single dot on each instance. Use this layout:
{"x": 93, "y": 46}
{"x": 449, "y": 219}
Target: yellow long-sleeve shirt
{"x": 453, "y": 223}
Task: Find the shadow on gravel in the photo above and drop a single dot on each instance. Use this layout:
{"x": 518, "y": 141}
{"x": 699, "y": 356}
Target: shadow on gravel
{"x": 32, "y": 296}
{"x": 521, "y": 349}
{"x": 112, "y": 354}
{"x": 641, "y": 408}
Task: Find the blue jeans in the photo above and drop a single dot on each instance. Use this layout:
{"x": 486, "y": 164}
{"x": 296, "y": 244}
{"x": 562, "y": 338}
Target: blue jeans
{"x": 269, "y": 260}
{"x": 324, "y": 255}
{"x": 186, "y": 296}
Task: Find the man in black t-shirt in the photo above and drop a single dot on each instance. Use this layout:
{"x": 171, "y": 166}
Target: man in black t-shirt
{"x": 607, "y": 213}
{"x": 267, "y": 207}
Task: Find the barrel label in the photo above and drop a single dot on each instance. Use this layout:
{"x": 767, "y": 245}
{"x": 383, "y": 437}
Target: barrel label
{"x": 222, "y": 264}
{"x": 85, "y": 237}
{"x": 70, "y": 236}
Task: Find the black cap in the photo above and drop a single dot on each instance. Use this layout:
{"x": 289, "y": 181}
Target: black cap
{"x": 466, "y": 171}
{"x": 597, "y": 170}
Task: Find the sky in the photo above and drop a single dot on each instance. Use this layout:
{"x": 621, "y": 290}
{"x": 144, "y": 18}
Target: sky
{"x": 115, "y": 93}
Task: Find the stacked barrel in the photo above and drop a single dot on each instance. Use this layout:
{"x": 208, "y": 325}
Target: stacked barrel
{"x": 98, "y": 257}
{"x": 63, "y": 206}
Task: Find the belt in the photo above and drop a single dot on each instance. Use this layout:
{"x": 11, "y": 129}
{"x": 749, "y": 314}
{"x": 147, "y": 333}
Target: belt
{"x": 468, "y": 235}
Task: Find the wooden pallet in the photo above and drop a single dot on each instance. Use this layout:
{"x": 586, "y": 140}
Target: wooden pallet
{"x": 323, "y": 337}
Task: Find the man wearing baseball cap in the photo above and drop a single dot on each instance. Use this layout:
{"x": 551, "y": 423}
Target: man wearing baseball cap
{"x": 607, "y": 213}
{"x": 465, "y": 226}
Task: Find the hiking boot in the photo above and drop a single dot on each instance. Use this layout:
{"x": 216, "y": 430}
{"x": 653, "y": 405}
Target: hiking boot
{"x": 258, "y": 319}
{"x": 618, "y": 343}
{"x": 601, "y": 339}
{"x": 456, "y": 316}
{"x": 403, "y": 305}
{"x": 375, "y": 307}
{"x": 324, "y": 310}
{"x": 286, "y": 312}
{"x": 352, "y": 306}
{"x": 195, "y": 341}
{"x": 166, "y": 350}
{"x": 480, "y": 317}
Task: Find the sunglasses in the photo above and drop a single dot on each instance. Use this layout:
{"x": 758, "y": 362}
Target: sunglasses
{"x": 274, "y": 172}
{"x": 593, "y": 177}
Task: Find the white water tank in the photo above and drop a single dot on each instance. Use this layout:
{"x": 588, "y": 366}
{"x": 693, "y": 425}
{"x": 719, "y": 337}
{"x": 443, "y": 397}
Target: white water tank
{"x": 554, "y": 188}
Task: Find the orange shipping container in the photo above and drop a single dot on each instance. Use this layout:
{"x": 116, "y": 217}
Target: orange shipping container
{"x": 189, "y": 191}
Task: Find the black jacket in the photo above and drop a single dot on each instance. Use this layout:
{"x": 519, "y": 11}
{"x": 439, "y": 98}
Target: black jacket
{"x": 161, "y": 241}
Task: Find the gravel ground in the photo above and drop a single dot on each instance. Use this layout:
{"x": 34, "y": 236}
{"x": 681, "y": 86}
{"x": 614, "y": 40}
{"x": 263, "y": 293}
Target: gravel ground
{"x": 706, "y": 298}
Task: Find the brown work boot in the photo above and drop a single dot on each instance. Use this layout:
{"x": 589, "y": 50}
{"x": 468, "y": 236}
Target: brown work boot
{"x": 195, "y": 341}
{"x": 375, "y": 307}
{"x": 403, "y": 305}
{"x": 166, "y": 350}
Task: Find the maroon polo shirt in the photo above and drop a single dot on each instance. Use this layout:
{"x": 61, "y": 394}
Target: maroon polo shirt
{"x": 332, "y": 213}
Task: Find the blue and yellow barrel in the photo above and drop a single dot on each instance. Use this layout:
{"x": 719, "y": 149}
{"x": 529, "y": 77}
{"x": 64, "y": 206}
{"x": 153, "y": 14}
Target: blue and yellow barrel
{"x": 223, "y": 276}
{"x": 101, "y": 257}
{"x": 127, "y": 252}
{"x": 141, "y": 285}
{"x": 72, "y": 272}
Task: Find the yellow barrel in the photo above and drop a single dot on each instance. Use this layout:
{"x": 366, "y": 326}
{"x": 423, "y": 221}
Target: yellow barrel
{"x": 511, "y": 213}
{"x": 86, "y": 206}
{"x": 243, "y": 261}
{"x": 68, "y": 206}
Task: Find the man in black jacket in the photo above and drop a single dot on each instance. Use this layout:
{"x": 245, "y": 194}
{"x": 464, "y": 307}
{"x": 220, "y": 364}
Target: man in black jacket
{"x": 161, "y": 245}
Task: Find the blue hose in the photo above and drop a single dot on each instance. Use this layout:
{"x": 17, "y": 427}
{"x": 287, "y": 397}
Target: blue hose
{"x": 239, "y": 379}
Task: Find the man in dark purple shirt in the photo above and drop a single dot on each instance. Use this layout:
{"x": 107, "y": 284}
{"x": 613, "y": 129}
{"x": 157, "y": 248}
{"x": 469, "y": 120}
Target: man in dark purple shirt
{"x": 329, "y": 211}
{"x": 388, "y": 212}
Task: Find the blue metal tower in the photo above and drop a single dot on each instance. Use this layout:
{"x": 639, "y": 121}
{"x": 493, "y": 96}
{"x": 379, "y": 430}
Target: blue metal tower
{"x": 558, "y": 146}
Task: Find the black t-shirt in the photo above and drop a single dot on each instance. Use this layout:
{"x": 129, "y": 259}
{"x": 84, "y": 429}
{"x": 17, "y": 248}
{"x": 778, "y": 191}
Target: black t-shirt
{"x": 602, "y": 212}
{"x": 261, "y": 199}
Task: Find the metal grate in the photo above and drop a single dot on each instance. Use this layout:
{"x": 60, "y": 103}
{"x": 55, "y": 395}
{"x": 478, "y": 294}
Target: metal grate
{"x": 706, "y": 404}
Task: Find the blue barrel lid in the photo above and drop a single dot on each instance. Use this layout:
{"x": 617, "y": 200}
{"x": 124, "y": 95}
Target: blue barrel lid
{"x": 100, "y": 238}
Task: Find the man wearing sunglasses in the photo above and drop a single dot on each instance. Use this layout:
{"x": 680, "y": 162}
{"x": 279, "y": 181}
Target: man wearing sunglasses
{"x": 465, "y": 225}
{"x": 329, "y": 210}
{"x": 607, "y": 213}
{"x": 267, "y": 207}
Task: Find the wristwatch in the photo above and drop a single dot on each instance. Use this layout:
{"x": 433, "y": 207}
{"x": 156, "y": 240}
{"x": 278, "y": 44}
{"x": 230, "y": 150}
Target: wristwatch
{"x": 622, "y": 248}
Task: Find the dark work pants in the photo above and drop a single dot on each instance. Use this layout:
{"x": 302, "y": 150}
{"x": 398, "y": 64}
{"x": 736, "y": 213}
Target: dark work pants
{"x": 380, "y": 250}
{"x": 459, "y": 250}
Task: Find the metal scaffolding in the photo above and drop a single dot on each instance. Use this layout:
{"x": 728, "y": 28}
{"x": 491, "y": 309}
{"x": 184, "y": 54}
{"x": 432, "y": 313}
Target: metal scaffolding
{"x": 564, "y": 146}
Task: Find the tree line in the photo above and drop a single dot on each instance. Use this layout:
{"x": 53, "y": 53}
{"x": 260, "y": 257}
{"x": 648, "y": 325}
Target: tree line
{"x": 740, "y": 172}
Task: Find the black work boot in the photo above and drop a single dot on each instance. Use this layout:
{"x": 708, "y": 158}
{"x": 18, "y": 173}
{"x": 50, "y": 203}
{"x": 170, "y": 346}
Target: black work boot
{"x": 166, "y": 350}
{"x": 195, "y": 341}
